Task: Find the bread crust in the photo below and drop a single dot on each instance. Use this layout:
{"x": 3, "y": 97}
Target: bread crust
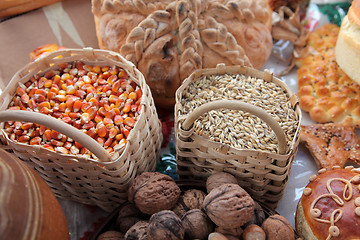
{"x": 334, "y": 192}
{"x": 202, "y": 34}
{"x": 325, "y": 90}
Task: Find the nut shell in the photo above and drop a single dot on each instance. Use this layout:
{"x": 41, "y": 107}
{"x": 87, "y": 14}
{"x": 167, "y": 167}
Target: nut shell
{"x": 191, "y": 199}
{"x": 277, "y": 227}
{"x": 153, "y": 192}
{"x": 138, "y": 231}
{"x": 219, "y": 178}
{"x": 165, "y": 225}
{"x": 197, "y": 224}
{"x": 229, "y": 206}
{"x": 128, "y": 215}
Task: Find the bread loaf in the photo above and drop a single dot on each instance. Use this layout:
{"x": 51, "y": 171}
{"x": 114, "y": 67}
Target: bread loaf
{"x": 168, "y": 40}
{"x": 329, "y": 206}
{"x": 347, "y": 51}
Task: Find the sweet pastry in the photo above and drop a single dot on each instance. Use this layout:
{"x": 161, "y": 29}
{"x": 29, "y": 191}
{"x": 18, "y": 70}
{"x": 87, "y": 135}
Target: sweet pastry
{"x": 330, "y": 205}
{"x": 331, "y": 144}
{"x": 168, "y": 40}
{"x": 348, "y": 44}
{"x": 325, "y": 90}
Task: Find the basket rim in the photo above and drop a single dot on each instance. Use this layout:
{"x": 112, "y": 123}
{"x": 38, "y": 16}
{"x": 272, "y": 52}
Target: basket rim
{"x": 221, "y": 69}
{"x": 89, "y": 56}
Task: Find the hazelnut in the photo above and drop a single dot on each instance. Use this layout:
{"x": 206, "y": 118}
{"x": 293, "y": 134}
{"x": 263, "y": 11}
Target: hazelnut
{"x": 138, "y": 231}
{"x": 254, "y": 232}
{"x": 153, "y": 192}
{"x": 277, "y": 227}
{"x": 128, "y": 215}
{"x": 229, "y": 206}
{"x": 165, "y": 225}
{"x": 230, "y": 233}
{"x": 197, "y": 224}
{"x": 191, "y": 199}
{"x": 111, "y": 235}
{"x": 219, "y": 178}
{"x": 217, "y": 236}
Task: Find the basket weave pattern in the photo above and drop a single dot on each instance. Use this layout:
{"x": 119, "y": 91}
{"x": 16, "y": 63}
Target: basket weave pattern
{"x": 86, "y": 180}
{"x": 263, "y": 174}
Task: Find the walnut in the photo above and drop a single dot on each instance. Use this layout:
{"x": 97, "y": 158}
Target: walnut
{"x": 111, "y": 235}
{"x": 138, "y": 231}
{"x": 165, "y": 225}
{"x": 197, "y": 224}
{"x": 229, "y": 206}
{"x": 128, "y": 215}
{"x": 258, "y": 217}
{"x": 277, "y": 227}
{"x": 153, "y": 192}
{"x": 219, "y": 178}
{"x": 191, "y": 199}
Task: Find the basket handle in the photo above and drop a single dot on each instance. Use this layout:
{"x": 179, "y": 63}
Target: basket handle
{"x": 239, "y": 105}
{"x": 60, "y": 126}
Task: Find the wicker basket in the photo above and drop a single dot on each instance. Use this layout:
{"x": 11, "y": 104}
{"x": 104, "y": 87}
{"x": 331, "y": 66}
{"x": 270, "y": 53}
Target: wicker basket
{"x": 103, "y": 181}
{"x": 262, "y": 173}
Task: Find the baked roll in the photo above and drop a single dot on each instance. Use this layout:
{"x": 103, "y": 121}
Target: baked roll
{"x": 168, "y": 40}
{"x": 330, "y": 205}
{"x": 347, "y": 49}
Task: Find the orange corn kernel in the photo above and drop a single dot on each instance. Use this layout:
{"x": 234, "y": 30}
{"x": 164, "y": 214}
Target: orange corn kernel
{"x": 112, "y": 132}
{"x": 74, "y": 115}
{"x": 62, "y": 150}
{"x": 26, "y": 126}
{"x": 56, "y": 135}
{"x": 91, "y": 132}
{"x": 120, "y": 136}
{"x": 35, "y": 141}
{"x": 77, "y": 105}
{"x": 49, "y": 147}
{"x": 118, "y": 119}
{"x": 67, "y": 119}
{"x": 24, "y": 138}
{"x": 129, "y": 121}
{"x": 56, "y": 143}
{"x": 133, "y": 96}
{"x": 123, "y": 74}
{"x": 101, "y": 130}
{"x": 127, "y": 107}
{"x": 85, "y": 117}
{"x": 25, "y": 98}
{"x": 108, "y": 142}
{"x": 125, "y": 131}
{"x": 20, "y": 91}
{"x": 98, "y": 118}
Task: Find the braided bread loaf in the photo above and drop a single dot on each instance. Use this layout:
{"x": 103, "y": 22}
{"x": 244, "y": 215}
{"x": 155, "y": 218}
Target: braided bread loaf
{"x": 168, "y": 40}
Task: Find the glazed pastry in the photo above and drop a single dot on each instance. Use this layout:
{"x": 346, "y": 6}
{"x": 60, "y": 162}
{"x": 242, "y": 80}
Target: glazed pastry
{"x": 167, "y": 41}
{"x": 325, "y": 90}
{"x": 330, "y": 206}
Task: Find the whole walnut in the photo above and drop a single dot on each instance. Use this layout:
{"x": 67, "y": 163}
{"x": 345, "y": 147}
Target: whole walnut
{"x": 277, "y": 227}
{"x": 111, "y": 235}
{"x": 138, "y": 231}
{"x": 165, "y": 225}
{"x": 128, "y": 215}
{"x": 219, "y": 178}
{"x": 229, "y": 205}
{"x": 258, "y": 217}
{"x": 153, "y": 192}
{"x": 197, "y": 224}
{"x": 191, "y": 199}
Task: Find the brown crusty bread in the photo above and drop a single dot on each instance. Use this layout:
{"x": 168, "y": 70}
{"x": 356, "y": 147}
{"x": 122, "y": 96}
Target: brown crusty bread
{"x": 331, "y": 144}
{"x": 168, "y": 40}
{"x": 324, "y": 89}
